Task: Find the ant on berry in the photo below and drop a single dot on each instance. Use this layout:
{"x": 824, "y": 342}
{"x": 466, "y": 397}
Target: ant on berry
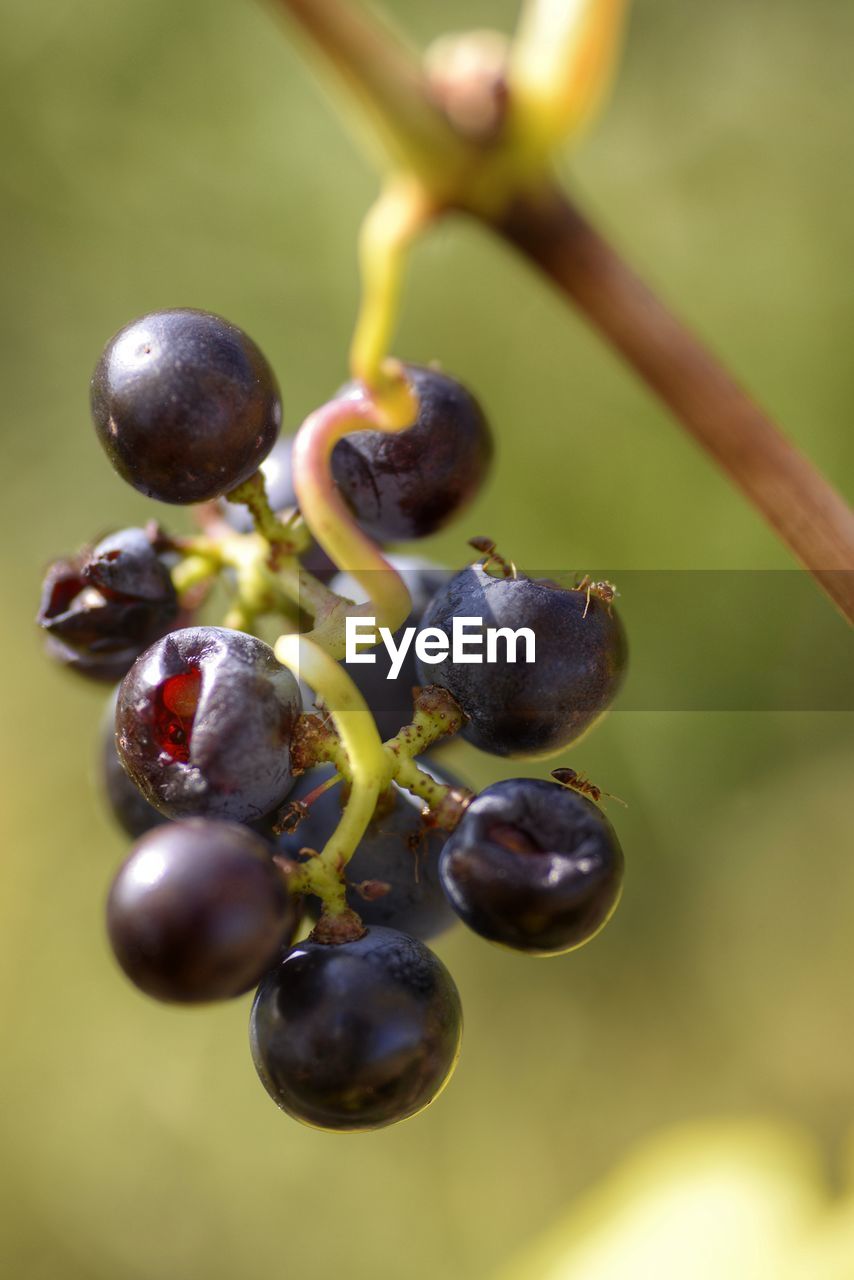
{"x": 488, "y": 549}
{"x": 604, "y": 591}
{"x": 575, "y": 781}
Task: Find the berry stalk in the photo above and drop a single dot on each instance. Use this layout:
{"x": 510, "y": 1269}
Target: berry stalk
{"x": 369, "y": 768}
{"x": 403, "y": 209}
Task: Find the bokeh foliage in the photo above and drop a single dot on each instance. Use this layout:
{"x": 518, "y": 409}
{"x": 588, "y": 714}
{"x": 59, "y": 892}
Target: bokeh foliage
{"x": 179, "y": 154}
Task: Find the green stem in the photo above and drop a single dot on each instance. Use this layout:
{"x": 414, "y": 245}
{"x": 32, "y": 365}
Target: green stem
{"x": 253, "y": 494}
{"x": 193, "y": 570}
{"x": 368, "y": 766}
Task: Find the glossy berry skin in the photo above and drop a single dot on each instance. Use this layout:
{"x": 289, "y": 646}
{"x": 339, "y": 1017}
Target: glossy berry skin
{"x": 411, "y": 483}
{"x": 398, "y": 850}
{"x": 101, "y": 609}
{"x": 204, "y": 722}
{"x": 185, "y": 405}
{"x": 359, "y": 1035}
{"x": 126, "y": 803}
{"x": 390, "y": 701}
{"x": 536, "y": 709}
{"x": 276, "y": 470}
{"x": 533, "y": 866}
{"x": 199, "y": 911}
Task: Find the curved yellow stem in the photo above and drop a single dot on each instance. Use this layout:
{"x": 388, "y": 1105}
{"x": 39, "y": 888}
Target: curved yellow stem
{"x": 389, "y": 227}
{"x": 561, "y": 62}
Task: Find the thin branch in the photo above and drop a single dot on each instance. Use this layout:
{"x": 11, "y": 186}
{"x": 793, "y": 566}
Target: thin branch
{"x": 385, "y": 79}
{"x": 805, "y": 510}
{"x": 802, "y": 507}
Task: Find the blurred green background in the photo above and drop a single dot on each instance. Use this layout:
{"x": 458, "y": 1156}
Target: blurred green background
{"x": 180, "y": 154}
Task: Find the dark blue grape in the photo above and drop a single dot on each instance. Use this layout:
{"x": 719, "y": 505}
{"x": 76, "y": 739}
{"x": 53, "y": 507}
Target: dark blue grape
{"x": 358, "y": 1035}
{"x": 410, "y": 483}
{"x": 199, "y": 911}
{"x": 534, "y": 866}
{"x": 517, "y": 708}
{"x": 185, "y": 405}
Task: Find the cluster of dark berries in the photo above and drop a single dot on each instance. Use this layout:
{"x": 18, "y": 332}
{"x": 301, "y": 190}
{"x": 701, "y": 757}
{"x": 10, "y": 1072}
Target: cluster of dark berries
{"x": 357, "y": 1028}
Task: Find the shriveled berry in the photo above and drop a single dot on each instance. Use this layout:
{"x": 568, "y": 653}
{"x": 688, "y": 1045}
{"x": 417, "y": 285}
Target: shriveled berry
{"x": 358, "y": 1035}
{"x": 199, "y": 911}
{"x": 204, "y": 723}
{"x": 410, "y": 483}
{"x": 101, "y": 609}
{"x": 534, "y": 866}
{"x": 185, "y": 405}
{"x": 520, "y": 708}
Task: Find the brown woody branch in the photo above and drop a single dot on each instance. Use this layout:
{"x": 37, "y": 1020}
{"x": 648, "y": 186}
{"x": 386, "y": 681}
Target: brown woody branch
{"x": 805, "y": 510}
{"x": 802, "y": 507}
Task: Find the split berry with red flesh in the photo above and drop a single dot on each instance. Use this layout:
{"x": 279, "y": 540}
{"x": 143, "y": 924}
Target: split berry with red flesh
{"x": 185, "y": 405}
{"x": 393, "y": 875}
{"x": 126, "y": 803}
{"x": 357, "y": 1035}
{"x": 410, "y": 483}
{"x": 529, "y": 709}
{"x": 204, "y": 723}
{"x": 199, "y": 911}
{"x": 101, "y": 609}
{"x": 533, "y": 866}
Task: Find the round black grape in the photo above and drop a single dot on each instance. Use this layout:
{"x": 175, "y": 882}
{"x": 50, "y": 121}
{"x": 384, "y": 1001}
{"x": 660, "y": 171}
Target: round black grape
{"x": 410, "y": 483}
{"x": 199, "y": 911}
{"x": 534, "y": 866}
{"x": 185, "y": 405}
{"x": 358, "y": 1035}
{"x": 519, "y": 708}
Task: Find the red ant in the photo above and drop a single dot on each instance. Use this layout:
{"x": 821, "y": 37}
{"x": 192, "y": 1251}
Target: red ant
{"x": 489, "y": 551}
{"x": 576, "y": 781}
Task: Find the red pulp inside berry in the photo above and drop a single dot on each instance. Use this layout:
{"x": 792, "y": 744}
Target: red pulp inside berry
{"x": 177, "y": 700}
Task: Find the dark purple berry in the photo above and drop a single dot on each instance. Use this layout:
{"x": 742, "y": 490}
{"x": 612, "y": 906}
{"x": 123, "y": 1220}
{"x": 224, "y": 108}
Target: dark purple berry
{"x": 519, "y": 708}
{"x": 393, "y": 876}
{"x": 126, "y": 802}
{"x": 534, "y": 866}
{"x": 390, "y": 701}
{"x": 204, "y": 723}
{"x": 358, "y": 1035}
{"x": 101, "y": 609}
{"x": 411, "y": 483}
{"x": 199, "y": 911}
{"x": 185, "y": 405}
